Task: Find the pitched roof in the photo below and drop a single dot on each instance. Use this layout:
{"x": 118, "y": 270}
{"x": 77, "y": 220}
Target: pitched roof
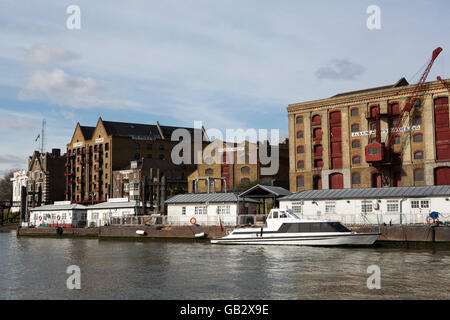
{"x": 370, "y": 193}
{"x": 141, "y": 131}
{"x": 87, "y": 132}
{"x": 55, "y": 207}
{"x": 206, "y": 197}
{"x": 276, "y": 191}
{"x": 400, "y": 83}
{"x": 109, "y": 205}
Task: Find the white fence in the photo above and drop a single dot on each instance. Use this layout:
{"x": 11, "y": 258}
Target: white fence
{"x": 376, "y": 219}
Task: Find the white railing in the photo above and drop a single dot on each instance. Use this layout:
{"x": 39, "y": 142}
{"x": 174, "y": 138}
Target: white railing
{"x": 376, "y": 219}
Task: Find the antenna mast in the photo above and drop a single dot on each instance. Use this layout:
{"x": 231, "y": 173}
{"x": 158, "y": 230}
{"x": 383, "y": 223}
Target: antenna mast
{"x": 43, "y": 136}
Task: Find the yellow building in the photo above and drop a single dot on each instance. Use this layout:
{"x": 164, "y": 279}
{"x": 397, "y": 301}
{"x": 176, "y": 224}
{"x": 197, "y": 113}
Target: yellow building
{"x": 328, "y": 139}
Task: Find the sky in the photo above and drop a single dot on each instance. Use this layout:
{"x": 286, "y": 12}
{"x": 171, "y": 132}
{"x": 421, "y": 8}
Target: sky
{"x": 230, "y": 64}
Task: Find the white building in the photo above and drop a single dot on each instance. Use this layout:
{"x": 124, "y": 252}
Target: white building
{"x": 399, "y": 205}
{"x": 206, "y": 208}
{"x": 59, "y": 214}
{"x": 115, "y": 211}
{"x": 19, "y": 180}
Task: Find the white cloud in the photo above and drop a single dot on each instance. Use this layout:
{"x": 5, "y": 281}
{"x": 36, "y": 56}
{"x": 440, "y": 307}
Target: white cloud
{"x": 343, "y": 69}
{"x": 45, "y": 55}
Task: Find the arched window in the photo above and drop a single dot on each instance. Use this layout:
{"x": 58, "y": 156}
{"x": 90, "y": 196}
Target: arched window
{"x": 356, "y": 178}
{"x": 354, "y": 112}
{"x": 300, "y": 182}
{"x": 317, "y": 133}
{"x": 374, "y": 110}
{"x": 418, "y": 155}
{"x": 300, "y": 149}
{"x": 299, "y": 120}
{"x": 209, "y": 171}
{"x": 318, "y": 163}
{"x": 318, "y": 149}
{"x": 395, "y": 109}
{"x": 299, "y": 134}
{"x": 419, "y": 175}
{"x": 355, "y": 127}
{"x": 245, "y": 181}
{"x": 418, "y": 137}
{"x": 316, "y": 120}
{"x": 356, "y": 144}
{"x": 300, "y": 164}
{"x": 245, "y": 170}
{"x": 356, "y": 159}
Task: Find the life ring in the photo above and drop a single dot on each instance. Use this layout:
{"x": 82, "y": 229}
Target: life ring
{"x": 58, "y": 217}
{"x": 193, "y": 220}
{"x": 40, "y": 218}
{"x": 430, "y": 220}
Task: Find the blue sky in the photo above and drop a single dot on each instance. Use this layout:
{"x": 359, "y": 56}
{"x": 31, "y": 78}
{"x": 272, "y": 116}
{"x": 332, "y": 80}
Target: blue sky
{"x": 231, "y": 64}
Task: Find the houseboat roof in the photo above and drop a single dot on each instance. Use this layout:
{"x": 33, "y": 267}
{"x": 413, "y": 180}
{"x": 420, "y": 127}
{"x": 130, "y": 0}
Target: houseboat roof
{"x": 207, "y": 197}
{"x": 370, "y": 193}
{"x": 56, "y": 207}
{"x": 115, "y": 204}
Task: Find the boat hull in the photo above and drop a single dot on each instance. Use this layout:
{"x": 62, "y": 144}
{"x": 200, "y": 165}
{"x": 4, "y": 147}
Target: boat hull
{"x": 354, "y": 239}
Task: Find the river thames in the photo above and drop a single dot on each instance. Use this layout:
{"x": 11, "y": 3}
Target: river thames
{"x": 35, "y": 268}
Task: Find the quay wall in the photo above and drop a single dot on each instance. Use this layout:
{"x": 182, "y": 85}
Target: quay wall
{"x": 388, "y": 233}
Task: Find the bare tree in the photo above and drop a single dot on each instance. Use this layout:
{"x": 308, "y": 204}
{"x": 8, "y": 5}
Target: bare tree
{"x": 6, "y": 186}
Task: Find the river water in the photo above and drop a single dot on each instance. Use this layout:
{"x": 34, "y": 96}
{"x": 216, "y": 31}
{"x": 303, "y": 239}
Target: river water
{"x": 35, "y": 268}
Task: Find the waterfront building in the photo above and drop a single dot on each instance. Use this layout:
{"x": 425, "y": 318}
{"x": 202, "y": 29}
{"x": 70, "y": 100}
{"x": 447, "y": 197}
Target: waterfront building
{"x": 394, "y": 205}
{"x": 114, "y": 211}
{"x": 95, "y": 152}
{"x": 59, "y": 214}
{"x": 210, "y": 209}
{"x": 235, "y": 166}
{"x": 19, "y": 180}
{"x": 151, "y": 181}
{"x": 328, "y": 139}
{"x": 45, "y": 183}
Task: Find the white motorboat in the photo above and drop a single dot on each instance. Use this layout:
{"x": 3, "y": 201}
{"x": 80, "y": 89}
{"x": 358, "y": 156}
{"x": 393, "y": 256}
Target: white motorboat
{"x": 285, "y": 228}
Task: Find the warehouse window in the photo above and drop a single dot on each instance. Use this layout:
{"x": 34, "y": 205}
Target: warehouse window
{"x": 393, "y": 206}
{"x": 356, "y": 144}
{"x": 245, "y": 181}
{"x": 356, "y": 178}
{"x": 137, "y": 145}
{"x": 300, "y": 164}
{"x": 149, "y": 146}
{"x": 417, "y": 120}
{"x": 354, "y": 112}
{"x": 209, "y": 171}
{"x": 356, "y": 160}
{"x": 300, "y": 149}
{"x": 419, "y": 175}
{"x": 418, "y": 155}
{"x": 299, "y": 134}
{"x": 245, "y": 170}
{"x": 418, "y": 137}
{"x": 223, "y": 209}
{"x": 300, "y": 182}
{"x": 299, "y": 120}
{"x": 355, "y": 127}
{"x": 161, "y": 147}
{"x": 397, "y": 139}
{"x": 316, "y": 120}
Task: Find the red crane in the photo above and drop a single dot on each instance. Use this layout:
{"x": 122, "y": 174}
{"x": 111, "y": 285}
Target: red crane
{"x": 379, "y": 153}
{"x": 444, "y": 83}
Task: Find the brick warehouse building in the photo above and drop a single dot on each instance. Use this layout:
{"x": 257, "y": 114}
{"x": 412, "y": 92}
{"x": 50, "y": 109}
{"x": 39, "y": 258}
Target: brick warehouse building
{"x": 328, "y": 138}
{"x": 94, "y": 152}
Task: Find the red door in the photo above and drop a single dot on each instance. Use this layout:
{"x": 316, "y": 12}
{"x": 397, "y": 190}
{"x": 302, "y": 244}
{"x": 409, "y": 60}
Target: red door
{"x": 442, "y": 128}
{"x": 442, "y": 176}
{"x": 376, "y": 180}
{"x": 336, "y": 181}
{"x": 336, "y": 140}
{"x": 317, "y": 182}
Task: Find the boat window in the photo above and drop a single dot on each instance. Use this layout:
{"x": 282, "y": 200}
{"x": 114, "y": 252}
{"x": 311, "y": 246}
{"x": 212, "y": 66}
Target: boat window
{"x": 339, "y": 227}
{"x": 275, "y": 215}
{"x": 283, "y": 215}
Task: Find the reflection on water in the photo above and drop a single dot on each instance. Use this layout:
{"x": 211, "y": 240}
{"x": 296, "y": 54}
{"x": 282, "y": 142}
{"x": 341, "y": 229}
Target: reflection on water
{"x": 35, "y": 268}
